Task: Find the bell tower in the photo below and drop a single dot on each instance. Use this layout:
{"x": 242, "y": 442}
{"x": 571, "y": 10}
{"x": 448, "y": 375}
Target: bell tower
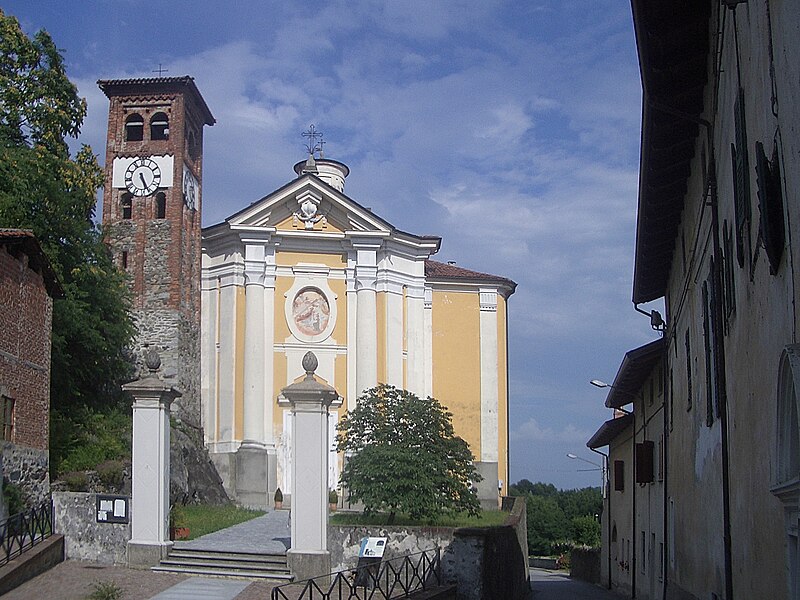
{"x": 152, "y": 198}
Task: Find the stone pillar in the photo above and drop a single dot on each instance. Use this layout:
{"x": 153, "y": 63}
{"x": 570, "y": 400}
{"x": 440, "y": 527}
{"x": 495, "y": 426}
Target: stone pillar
{"x": 309, "y": 401}
{"x": 251, "y": 457}
{"x": 150, "y": 495}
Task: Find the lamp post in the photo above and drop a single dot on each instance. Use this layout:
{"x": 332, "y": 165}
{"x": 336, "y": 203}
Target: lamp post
{"x": 634, "y": 397}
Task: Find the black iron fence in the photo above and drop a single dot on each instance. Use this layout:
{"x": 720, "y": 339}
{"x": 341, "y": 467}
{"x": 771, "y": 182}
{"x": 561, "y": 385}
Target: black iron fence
{"x": 393, "y": 578}
{"x": 24, "y": 530}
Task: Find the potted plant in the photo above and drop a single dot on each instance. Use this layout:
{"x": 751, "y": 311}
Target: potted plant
{"x": 178, "y": 527}
{"x": 333, "y": 500}
{"x": 278, "y": 499}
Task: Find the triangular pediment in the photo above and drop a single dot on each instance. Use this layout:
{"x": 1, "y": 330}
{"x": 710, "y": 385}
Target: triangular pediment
{"x": 310, "y": 204}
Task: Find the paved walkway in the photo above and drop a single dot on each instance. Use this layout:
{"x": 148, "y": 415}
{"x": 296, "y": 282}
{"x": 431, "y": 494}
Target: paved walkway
{"x": 268, "y": 533}
{"x": 557, "y": 585}
{"x": 75, "y": 580}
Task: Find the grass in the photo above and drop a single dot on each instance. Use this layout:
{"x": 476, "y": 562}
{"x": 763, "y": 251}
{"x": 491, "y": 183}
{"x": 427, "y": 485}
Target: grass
{"x": 202, "y": 519}
{"x": 487, "y": 518}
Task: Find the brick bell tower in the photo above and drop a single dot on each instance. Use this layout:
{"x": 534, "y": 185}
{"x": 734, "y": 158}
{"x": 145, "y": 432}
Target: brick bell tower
{"x": 151, "y": 217}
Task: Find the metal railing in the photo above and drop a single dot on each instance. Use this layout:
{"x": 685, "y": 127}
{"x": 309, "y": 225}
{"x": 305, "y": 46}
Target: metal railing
{"x": 393, "y": 578}
{"x": 24, "y": 530}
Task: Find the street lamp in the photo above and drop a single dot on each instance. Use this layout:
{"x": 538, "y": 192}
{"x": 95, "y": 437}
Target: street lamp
{"x": 576, "y": 457}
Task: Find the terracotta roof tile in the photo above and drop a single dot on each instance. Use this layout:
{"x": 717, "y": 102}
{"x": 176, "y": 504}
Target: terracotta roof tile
{"x": 437, "y": 270}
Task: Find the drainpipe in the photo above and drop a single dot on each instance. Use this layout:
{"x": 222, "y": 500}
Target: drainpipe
{"x": 665, "y": 461}
{"x": 608, "y": 508}
{"x": 719, "y": 365}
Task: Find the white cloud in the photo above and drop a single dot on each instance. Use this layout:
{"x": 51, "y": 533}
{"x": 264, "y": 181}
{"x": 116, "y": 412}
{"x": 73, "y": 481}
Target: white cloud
{"x": 532, "y": 430}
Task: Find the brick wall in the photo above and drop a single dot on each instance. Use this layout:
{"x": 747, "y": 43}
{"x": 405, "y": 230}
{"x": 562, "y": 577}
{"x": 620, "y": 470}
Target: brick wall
{"x": 26, "y": 312}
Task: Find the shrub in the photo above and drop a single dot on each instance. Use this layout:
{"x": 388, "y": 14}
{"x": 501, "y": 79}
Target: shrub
{"x": 14, "y": 498}
{"x": 111, "y": 473}
{"x": 105, "y": 590}
{"x": 77, "y": 481}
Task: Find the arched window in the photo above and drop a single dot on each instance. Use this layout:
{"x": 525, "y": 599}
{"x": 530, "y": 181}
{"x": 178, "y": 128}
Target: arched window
{"x": 161, "y": 205}
{"x": 614, "y": 542}
{"x": 134, "y": 128}
{"x": 786, "y": 477}
{"x": 788, "y": 426}
{"x": 159, "y": 126}
{"x": 126, "y": 204}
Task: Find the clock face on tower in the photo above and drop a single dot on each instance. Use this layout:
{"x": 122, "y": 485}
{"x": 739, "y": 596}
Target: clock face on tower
{"x": 142, "y": 177}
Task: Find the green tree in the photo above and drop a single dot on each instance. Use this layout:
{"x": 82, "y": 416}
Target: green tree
{"x": 585, "y": 530}
{"x": 547, "y": 524}
{"x": 44, "y": 189}
{"x": 404, "y": 456}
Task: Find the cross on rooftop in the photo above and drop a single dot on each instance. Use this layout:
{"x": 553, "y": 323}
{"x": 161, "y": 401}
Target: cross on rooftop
{"x": 160, "y": 70}
{"x": 315, "y": 142}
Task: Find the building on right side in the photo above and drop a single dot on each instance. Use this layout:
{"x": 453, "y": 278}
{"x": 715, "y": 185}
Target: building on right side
{"x": 716, "y": 229}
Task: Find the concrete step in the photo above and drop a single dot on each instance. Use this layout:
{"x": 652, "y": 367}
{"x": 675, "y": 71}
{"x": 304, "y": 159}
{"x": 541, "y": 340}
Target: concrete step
{"x": 243, "y": 557}
{"x": 226, "y": 564}
{"x": 244, "y": 574}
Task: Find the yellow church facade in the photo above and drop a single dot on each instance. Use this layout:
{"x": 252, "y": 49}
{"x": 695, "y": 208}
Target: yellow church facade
{"x": 308, "y": 268}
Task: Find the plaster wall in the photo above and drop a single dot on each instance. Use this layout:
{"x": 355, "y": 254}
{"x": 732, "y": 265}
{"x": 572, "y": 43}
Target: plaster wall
{"x": 763, "y": 322}
{"x": 621, "y": 514}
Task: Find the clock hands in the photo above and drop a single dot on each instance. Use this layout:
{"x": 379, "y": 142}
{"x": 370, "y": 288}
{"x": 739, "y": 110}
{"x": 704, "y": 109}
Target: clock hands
{"x": 144, "y": 183}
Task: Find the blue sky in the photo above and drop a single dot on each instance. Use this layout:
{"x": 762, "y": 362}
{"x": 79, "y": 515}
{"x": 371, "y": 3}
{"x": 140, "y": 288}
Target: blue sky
{"x": 511, "y": 129}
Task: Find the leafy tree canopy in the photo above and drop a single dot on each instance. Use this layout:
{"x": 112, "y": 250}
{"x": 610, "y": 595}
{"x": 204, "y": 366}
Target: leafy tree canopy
{"x": 403, "y": 456}
{"x": 44, "y": 189}
{"x": 560, "y": 518}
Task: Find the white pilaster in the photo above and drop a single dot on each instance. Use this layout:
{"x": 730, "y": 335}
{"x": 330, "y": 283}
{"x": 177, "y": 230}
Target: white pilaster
{"x": 352, "y": 342}
{"x": 225, "y": 398}
{"x": 254, "y": 343}
{"x": 394, "y": 334}
{"x": 489, "y": 381}
{"x": 269, "y": 342}
{"x": 366, "y": 315}
{"x": 428, "y": 341}
{"x": 415, "y": 340}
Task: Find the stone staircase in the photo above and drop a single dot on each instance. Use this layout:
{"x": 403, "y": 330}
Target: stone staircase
{"x": 218, "y": 563}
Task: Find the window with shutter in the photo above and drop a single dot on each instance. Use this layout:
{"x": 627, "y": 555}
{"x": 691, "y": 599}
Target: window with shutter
{"x": 741, "y": 179}
{"x": 770, "y": 205}
{"x": 619, "y": 475}
{"x": 644, "y": 462}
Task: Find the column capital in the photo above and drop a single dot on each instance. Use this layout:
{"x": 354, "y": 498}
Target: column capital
{"x": 488, "y": 299}
{"x": 366, "y": 277}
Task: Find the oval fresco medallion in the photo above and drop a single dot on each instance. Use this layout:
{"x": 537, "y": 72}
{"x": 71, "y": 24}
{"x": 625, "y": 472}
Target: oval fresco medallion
{"x": 310, "y": 311}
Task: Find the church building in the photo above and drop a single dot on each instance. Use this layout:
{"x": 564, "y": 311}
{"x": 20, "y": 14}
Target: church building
{"x": 308, "y": 268}
{"x": 304, "y": 268}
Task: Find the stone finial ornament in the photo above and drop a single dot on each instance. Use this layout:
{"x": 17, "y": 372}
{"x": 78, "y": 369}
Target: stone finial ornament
{"x": 310, "y": 364}
{"x": 151, "y": 359}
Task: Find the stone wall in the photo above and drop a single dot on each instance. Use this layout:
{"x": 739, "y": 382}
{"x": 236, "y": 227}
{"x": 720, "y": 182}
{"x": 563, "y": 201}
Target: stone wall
{"x": 29, "y": 470}
{"x": 177, "y": 341}
{"x": 585, "y": 564}
{"x": 344, "y": 541}
{"x": 484, "y": 563}
{"x": 85, "y": 539}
